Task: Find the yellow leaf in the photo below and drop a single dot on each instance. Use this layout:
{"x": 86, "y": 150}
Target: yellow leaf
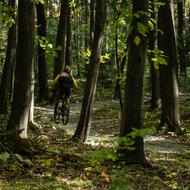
{"x": 137, "y": 40}
{"x": 156, "y": 65}
{"x": 105, "y": 175}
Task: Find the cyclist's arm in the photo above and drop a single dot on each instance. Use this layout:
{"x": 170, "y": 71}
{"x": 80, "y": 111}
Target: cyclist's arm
{"x": 75, "y": 84}
{"x": 54, "y": 82}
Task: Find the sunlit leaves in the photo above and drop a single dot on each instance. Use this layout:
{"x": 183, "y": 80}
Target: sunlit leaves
{"x": 103, "y": 58}
{"x": 7, "y": 14}
{"x": 157, "y": 57}
{"x": 137, "y": 40}
{"x": 39, "y": 1}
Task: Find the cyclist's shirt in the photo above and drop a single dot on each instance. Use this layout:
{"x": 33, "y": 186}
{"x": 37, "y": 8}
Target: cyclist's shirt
{"x": 65, "y": 83}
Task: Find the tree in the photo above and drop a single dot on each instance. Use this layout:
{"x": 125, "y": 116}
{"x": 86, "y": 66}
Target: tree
{"x": 8, "y": 69}
{"x": 168, "y": 73}
{"x": 83, "y": 127}
{"x": 132, "y": 115}
{"x": 91, "y": 21}
{"x": 61, "y": 39}
{"x": 42, "y": 66}
{"x": 181, "y": 37}
{"x": 68, "y": 54}
{"x": 154, "y": 71}
{"x": 23, "y": 73}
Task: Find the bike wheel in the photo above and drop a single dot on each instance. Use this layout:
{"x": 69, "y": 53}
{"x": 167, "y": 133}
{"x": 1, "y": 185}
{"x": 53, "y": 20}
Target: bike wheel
{"x": 57, "y": 113}
{"x": 65, "y": 114}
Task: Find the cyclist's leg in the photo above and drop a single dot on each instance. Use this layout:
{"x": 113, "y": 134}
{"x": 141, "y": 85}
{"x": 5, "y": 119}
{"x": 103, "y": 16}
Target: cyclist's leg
{"x": 67, "y": 93}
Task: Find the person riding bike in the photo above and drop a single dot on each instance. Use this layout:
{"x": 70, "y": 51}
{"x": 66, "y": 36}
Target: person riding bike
{"x": 65, "y": 82}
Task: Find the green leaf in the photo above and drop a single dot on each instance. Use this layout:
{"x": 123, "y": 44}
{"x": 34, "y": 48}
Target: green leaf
{"x": 137, "y": 40}
{"x": 4, "y": 156}
{"x": 142, "y": 29}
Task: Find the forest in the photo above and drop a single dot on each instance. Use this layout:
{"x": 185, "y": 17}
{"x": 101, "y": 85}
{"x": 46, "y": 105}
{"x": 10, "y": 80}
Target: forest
{"x": 125, "y": 124}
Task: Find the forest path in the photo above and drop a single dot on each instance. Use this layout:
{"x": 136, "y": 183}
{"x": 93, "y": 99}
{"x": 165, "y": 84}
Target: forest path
{"x": 105, "y": 129}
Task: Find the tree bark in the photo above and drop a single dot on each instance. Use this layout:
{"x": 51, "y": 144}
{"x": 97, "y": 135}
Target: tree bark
{"x": 68, "y": 56}
{"x": 181, "y": 38}
{"x": 91, "y": 22}
{"x": 168, "y": 81}
{"x": 5, "y": 87}
{"x": 83, "y": 127}
{"x": 23, "y": 73}
{"x": 61, "y": 39}
{"x": 155, "y": 94}
{"x": 132, "y": 115}
{"x": 42, "y": 66}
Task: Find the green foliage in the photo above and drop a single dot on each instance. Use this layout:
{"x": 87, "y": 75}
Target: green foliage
{"x": 158, "y": 57}
{"x": 4, "y": 157}
{"x": 39, "y": 1}
{"x": 6, "y": 13}
{"x": 120, "y": 180}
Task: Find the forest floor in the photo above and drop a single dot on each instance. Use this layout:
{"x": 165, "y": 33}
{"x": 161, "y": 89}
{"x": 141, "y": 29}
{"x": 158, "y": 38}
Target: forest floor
{"x": 67, "y": 165}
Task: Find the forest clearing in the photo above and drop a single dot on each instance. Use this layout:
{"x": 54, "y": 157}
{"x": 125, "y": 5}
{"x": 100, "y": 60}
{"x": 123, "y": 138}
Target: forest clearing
{"x": 94, "y": 95}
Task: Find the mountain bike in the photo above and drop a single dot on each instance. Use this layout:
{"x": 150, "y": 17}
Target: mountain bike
{"x": 62, "y": 110}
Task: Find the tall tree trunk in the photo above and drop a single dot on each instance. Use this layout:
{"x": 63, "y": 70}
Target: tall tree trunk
{"x": 61, "y": 38}
{"x": 5, "y": 87}
{"x": 168, "y": 81}
{"x": 154, "y": 71}
{"x": 23, "y": 74}
{"x": 42, "y": 66}
{"x": 132, "y": 115}
{"x": 83, "y": 127}
{"x": 181, "y": 37}
{"x": 91, "y": 22}
{"x": 68, "y": 56}
{"x": 117, "y": 92}
{"x": 86, "y": 37}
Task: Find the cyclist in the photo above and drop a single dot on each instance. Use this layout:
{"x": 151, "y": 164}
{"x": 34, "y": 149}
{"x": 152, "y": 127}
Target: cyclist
{"x": 65, "y": 82}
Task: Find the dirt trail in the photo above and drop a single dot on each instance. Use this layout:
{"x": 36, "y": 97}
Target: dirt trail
{"x": 99, "y": 132}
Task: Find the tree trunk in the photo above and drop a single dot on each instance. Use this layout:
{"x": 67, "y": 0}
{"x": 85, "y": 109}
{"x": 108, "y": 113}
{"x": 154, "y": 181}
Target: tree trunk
{"x": 91, "y": 22}
{"x": 168, "y": 81}
{"x": 86, "y": 37}
{"x": 23, "y": 73}
{"x": 5, "y": 87}
{"x": 61, "y": 38}
{"x": 117, "y": 92}
{"x": 42, "y": 66}
{"x": 132, "y": 115}
{"x": 154, "y": 71}
{"x": 83, "y": 127}
{"x": 68, "y": 56}
{"x": 181, "y": 38}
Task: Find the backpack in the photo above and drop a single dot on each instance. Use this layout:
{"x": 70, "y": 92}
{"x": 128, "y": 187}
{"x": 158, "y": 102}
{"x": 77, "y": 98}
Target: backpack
{"x": 65, "y": 82}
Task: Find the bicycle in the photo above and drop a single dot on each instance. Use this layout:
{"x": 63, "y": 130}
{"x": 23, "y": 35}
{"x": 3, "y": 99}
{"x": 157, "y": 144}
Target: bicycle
{"x": 62, "y": 110}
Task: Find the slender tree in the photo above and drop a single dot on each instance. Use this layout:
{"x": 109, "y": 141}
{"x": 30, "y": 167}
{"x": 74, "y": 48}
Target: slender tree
{"x": 23, "y": 73}
{"x": 168, "y": 81}
{"x": 68, "y": 54}
{"x": 8, "y": 69}
{"x": 154, "y": 71}
{"x": 132, "y": 115}
{"x": 42, "y": 65}
{"x": 83, "y": 127}
{"x": 61, "y": 39}
{"x": 181, "y": 37}
{"x": 92, "y": 3}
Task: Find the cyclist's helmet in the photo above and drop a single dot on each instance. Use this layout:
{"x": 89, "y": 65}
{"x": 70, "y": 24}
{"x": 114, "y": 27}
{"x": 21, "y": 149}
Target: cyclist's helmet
{"x": 67, "y": 69}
